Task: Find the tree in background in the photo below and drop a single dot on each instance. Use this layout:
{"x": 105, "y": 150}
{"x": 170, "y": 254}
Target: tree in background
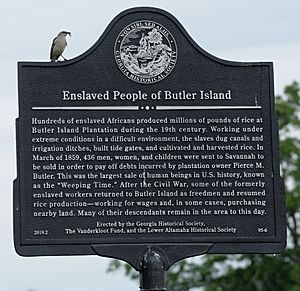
{"x": 254, "y": 272}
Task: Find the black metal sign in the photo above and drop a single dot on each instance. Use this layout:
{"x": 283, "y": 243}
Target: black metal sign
{"x": 147, "y": 140}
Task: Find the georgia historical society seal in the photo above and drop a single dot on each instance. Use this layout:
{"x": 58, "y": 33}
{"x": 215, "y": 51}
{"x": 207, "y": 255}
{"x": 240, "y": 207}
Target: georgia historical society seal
{"x": 145, "y": 52}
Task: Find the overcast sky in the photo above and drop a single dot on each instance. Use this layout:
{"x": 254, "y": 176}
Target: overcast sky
{"x": 248, "y": 30}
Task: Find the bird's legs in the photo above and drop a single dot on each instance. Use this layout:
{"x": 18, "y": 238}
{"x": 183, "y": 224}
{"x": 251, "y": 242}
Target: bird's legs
{"x": 63, "y": 57}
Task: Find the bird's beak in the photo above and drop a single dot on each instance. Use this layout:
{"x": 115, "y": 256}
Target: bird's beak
{"x": 69, "y": 33}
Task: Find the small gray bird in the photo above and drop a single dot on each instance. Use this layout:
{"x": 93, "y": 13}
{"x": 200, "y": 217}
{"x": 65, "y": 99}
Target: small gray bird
{"x": 58, "y": 46}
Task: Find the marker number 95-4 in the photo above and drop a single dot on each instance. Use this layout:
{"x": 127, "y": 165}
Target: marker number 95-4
{"x": 262, "y": 229}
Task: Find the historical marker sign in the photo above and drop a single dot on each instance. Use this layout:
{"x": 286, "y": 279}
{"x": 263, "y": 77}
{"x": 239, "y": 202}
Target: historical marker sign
{"x": 146, "y": 139}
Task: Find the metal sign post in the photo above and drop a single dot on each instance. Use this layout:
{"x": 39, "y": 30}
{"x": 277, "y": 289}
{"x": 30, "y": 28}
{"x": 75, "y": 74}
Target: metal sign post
{"x": 152, "y": 274}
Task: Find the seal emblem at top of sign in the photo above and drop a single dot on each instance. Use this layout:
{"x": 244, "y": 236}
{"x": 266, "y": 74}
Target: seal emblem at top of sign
{"x": 145, "y": 52}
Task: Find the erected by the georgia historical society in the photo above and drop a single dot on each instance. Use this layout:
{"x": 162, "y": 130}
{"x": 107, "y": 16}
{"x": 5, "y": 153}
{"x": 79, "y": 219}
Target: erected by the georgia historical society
{"x": 146, "y": 139}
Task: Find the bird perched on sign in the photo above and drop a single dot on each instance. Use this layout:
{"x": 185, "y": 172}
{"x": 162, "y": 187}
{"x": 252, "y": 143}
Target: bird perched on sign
{"x": 58, "y": 46}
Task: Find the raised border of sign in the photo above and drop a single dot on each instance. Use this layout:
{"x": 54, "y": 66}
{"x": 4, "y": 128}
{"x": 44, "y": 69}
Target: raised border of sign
{"x": 132, "y": 253}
